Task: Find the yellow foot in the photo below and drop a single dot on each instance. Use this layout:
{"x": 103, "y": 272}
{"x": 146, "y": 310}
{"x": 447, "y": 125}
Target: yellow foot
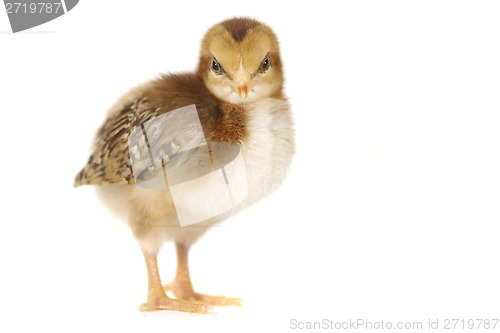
{"x": 165, "y": 303}
{"x": 185, "y": 292}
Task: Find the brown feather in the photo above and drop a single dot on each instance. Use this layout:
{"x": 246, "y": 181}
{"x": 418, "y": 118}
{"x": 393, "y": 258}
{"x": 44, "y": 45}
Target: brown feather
{"x": 110, "y": 162}
{"x": 239, "y": 26}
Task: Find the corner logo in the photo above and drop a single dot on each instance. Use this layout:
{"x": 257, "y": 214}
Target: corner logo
{"x": 26, "y": 14}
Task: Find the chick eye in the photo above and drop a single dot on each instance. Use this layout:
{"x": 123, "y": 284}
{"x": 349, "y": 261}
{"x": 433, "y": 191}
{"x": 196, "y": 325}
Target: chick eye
{"x": 216, "y": 68}
{"x": 265, "y": 65}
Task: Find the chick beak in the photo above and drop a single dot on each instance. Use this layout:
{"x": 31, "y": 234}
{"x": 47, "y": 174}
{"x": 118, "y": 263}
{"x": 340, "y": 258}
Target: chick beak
{"x": 243, "y": 91}
{"x": 241, "y": 79}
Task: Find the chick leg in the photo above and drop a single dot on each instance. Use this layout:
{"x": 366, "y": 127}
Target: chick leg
{"x": 157, "y": 299}
{"x": 182, "y": 288}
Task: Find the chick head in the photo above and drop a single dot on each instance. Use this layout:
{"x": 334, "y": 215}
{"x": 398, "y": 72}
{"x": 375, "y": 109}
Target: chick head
{"x": 240, "y": 61}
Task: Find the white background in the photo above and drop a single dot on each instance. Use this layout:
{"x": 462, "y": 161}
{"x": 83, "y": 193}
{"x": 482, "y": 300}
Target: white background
{"x": 391, "y": 211}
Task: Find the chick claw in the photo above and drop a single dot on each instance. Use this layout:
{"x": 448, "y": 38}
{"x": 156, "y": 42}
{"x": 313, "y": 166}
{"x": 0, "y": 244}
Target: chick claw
{"x": 162, "y": 302}
{"x": 186, "y": 293}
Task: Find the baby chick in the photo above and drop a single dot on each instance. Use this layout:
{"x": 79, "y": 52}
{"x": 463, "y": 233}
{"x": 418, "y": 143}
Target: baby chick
{"x": 237, "y": 90}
